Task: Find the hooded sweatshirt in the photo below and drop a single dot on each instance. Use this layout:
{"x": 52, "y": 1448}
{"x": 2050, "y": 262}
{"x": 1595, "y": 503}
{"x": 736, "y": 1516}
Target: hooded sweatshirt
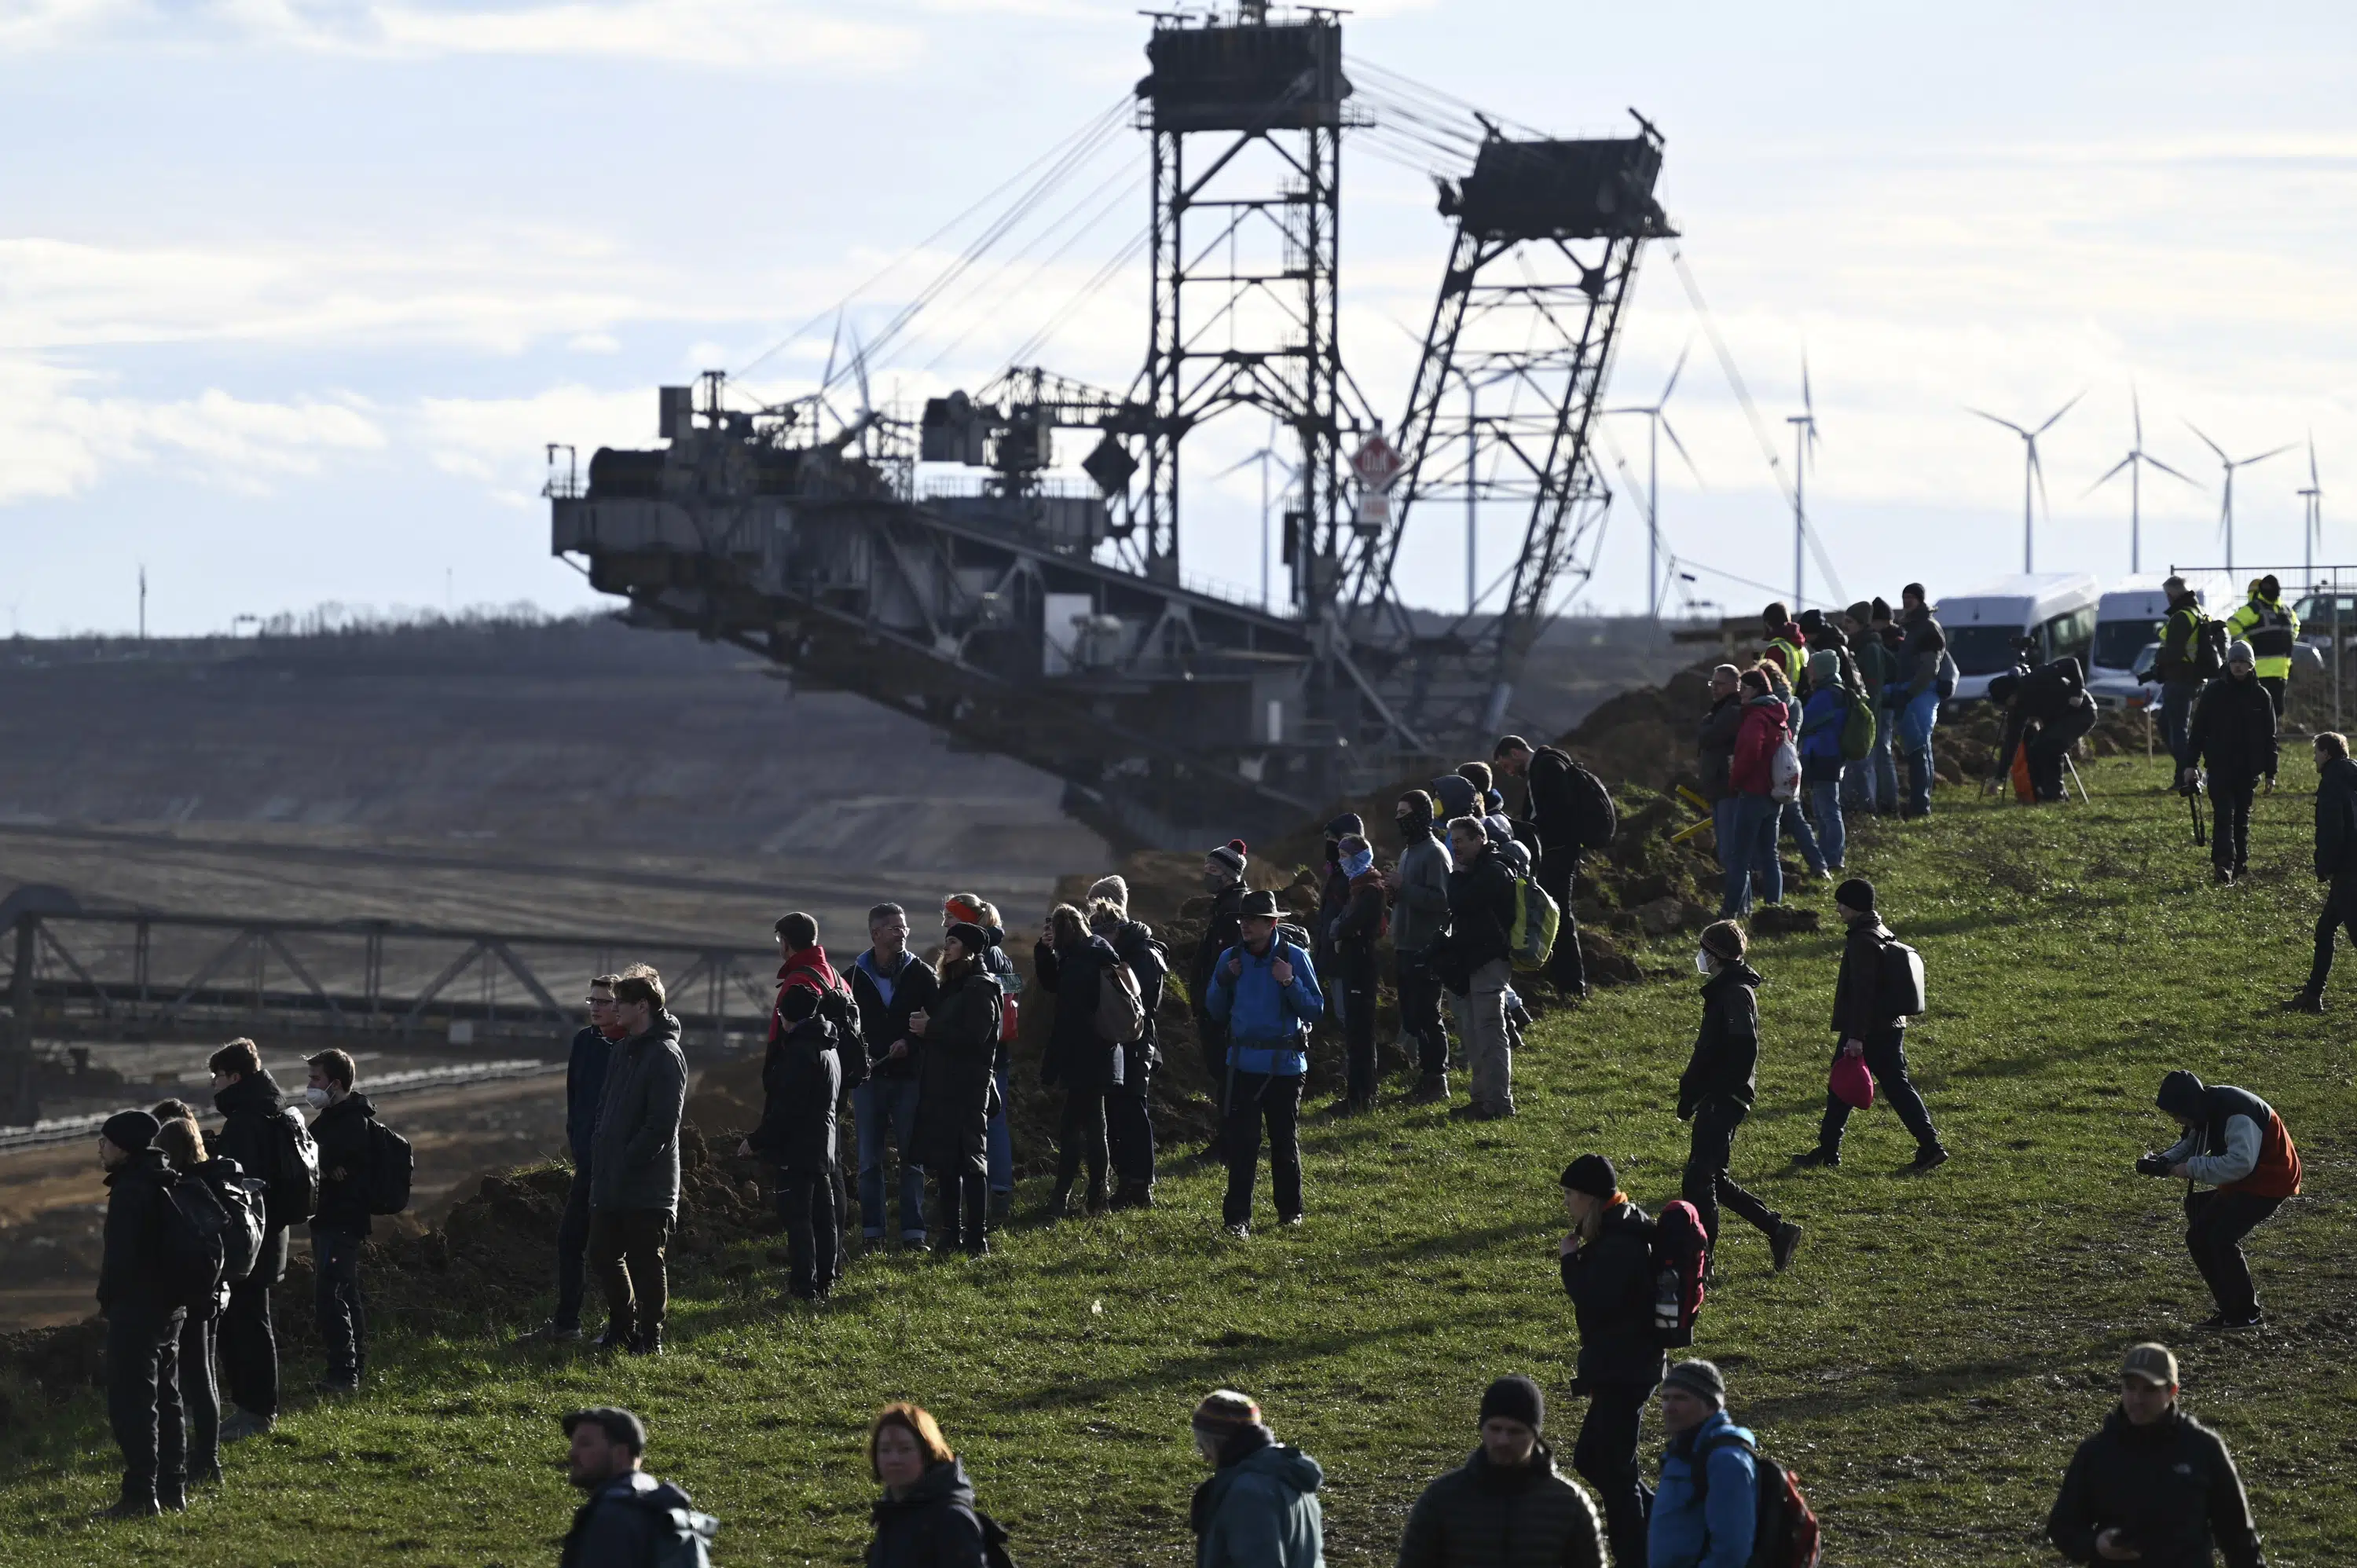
{"x": 1260, "y": 1508}
{"x": 1420, "y": 907}
{"x": 2233, "y": 1140}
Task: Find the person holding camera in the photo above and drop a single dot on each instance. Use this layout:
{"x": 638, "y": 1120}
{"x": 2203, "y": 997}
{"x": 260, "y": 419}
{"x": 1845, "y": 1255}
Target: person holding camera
{"x": 2233, "y": 732}
{"x": 2155, "y": 1485}
{"x": 2237, "y": 1146}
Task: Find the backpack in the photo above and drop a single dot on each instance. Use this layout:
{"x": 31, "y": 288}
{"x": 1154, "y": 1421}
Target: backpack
{"x": 1681, "y": 1258}
{"x": 1536, "y": 920}
{"x": 1945, "y": 680}
{"x": 246, "y": 1200}
{"x": 391, "y": 1163}
{"x": 2210, "y": 640}
{"x": 192, "y": 1243}
{"x": 293, "y": 1173}
{"x": 1594, "y": 817}
{"x": 1120, "y": 1013}
{"x": 1898, "y": 981}
{"x": 1784, "y": 771}
{"x": 1784, "y": 1532}
{"x": 682, "y": 1537}
{"x": 1858, "y": 725}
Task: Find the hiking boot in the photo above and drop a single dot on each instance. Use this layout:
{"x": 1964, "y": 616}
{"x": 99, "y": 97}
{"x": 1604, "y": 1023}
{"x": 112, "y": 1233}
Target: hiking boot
{"x": 912, "y": 1240}
{"x": 171, "y": 1496}
{"x": 2306, "y": 1000}
{"x": 1096, "y": 1194}
{"x": 1519, "y": 1015}
{"x": 1058, "y": 1205}
{"x": 207, "y": 1474}
{"x": 130, "y": 1508}
{"x": 1820, "y": 1156}
{"x": 550, "y": 1333}
{"x": 1240, "y": 1231}
{"x": 1432, "y": 1091}
{"x": 615, "y": 1338}
{"x": 1930, "y": 1157}
{"x": 338, "y": 1383}
{"x": 978, "y": 1248}
{"x": 1783, "y": 1244}
{"x": 648, "y": 1343}
{"x": 1292, "y": 1220}
{"x": 2223, "y": 875}
{"x": 1002, "y": 1207}
{"x": 1133, "y": 1195}
{"x": 245, "y": 1425}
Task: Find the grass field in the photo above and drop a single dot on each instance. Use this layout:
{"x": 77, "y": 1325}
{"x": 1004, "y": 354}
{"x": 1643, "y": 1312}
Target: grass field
{"x": 1939, "y": 1345}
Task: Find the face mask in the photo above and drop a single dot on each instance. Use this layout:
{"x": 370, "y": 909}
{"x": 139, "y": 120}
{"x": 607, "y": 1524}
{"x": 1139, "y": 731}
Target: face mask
{"x": 1702, "y": 962}
{"x": 318, "y": 1097}
{"x": 1357, "y": 864}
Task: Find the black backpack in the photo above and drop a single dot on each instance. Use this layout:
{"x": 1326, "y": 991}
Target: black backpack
{"x": 682, "y": 1537}
{"x": 390, "y": 1164}
{"x": 294, "y": 1173}
{"x": 246, "y": 1200}
{"x": 2210, "y": 640}
{"x": 192, "y": 1243}
{"x": 1595, "y": 819}
{"x": 1898, "y": 981}
{"x": 1785, "y": 1532}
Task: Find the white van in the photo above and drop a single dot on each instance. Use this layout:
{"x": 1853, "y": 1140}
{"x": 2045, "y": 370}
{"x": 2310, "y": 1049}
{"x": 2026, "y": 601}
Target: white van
{"x": 2128, "y": 621}
{"x": 2054, "y": 609}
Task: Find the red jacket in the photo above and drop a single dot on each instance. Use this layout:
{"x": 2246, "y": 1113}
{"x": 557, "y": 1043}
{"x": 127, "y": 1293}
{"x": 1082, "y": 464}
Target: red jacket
{"x": 1752, "y": 771}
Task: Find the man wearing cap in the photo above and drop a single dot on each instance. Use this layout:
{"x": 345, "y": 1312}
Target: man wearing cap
{"x": 1259, "y": 1509}
{"x": 1264, "y": 992}
{"x": 627, "y": 1512}
{"x": 2236, "y": 1145}
{"x": 2271, "y": 628}
{"x": 2155, "y": 1485}
{"x": 1506, "y": 1507}
{"x": 1707, "y": 1507}
{"x": 2177, "y": 666}
{"x": 143, "y": 1321}
{"x": 1223, "y": 880}
{"x": 1865, "y": 1025}
{"x": 2234, "y": 731}
{"x": 1607, "y": 1259}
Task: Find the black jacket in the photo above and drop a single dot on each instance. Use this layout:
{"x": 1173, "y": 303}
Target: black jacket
{"x": 617, "y": 1526}
{"x": 2233, "y": 730}
{"x": 1357, "y": 930}
{"x": 1481, "y": 1515}
{"x": 1715, "y": 745}
{"x": 884, "y": 1022}
{"x": 802, "y": 1078}
{"x": 2171, "y": 1486}
{"x": 1726, "y": 1059}
{"x": 1222, "y": 928}
{"x": 1919, "y": 654}
{"x": 2177, "y": 661}
{"x": 934, "y": 1526}
{"x": 955, "y": 1090}
{"x": 1076, "y": 1057}
{"x": 2336, "y": 819}
{"x": 341, "y": 1131}
{"x": 129, "y": 1270}
{"x": 1610, "y": 1282}
{"x": 584, "y": 1079}
{"x": 1857, "y": 1009}
{"x": 1481, "y": 911}
{"x": 249, "y": 1107}
{"x": 1555, "y": 811}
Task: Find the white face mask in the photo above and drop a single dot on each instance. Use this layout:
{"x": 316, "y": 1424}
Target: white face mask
{"x": 1702, "y": 962}
{"x": 318, "y": 1097}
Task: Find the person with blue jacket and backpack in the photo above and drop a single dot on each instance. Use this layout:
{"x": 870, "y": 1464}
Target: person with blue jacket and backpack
{"x": 1264, "y": 992}
{"x": 1825, "y": 713}
{"x": 1706, "y": 1504}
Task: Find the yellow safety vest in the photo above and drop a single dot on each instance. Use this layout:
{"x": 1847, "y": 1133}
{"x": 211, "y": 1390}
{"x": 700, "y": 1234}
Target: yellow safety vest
{"x": 2271, "y": 630}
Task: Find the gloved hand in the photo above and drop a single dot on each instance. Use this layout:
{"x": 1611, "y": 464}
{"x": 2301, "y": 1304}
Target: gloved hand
{"x": 2152, "y": 1165}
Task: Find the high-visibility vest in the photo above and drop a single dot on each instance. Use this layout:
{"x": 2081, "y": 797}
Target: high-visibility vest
{"x": 2271, "y": 630}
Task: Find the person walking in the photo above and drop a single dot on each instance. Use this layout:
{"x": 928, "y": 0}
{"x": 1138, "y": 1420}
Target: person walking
{"x": 926, "y": 1518}
{"x": 1070, "y": 963}
{"x": 628, "y": 1513}
{"x": 890, "y": 982}
{"x": 1706, "y": 1506}
{"x": 341, "y": 1228}
{"x": 1223, "y": 881}
{"x": 142, "y": 1320}
{"x": 1607, "y": 1259}
{"x": 634, "y": 1165}
{"x": 1265, "y": 992}
{"x": 1508, "y": 1506}
{"x": 2236, "y": 1145}
{"x": 1129, "y": 1104}
{"x": 585, "y": 1077}
{"x": 1481, "y": 947}
{"x": 1922, "y": 650}
{"x": 1824, "y": 715}
{"x": 1259, "y": 1509}
{"x": 183, "y": 1144}
{"x": 1715, "y": 754}
{"x": 2336, "y": 862}
{"x": 1790, "y": 816}
{"x": 1356, "y": 931}
{"x": 1556, "y": 834}
{"x": 1418, "y": 888}
{"x": 2271, "y": 628}
{"x": 2178, "y": 667}
{"x": 1716, "y": 1090}
{"x": 958, "y": 1090}
{"x": 2234, "y": 731}
{"x": 2154, "y": 1486}
{"x": 1867, "y": 1025}
{"x": 260, "y": 1131}
{"x": 1751, "y": 781}
{"x": 973, "y": 909}
{"x": 802, "y": 1081}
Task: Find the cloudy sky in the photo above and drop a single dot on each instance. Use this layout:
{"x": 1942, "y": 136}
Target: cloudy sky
{"x": 292, "y": 294}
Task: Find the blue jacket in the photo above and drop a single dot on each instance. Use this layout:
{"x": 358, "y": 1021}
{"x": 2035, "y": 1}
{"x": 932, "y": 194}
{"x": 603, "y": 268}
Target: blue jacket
{"x": 585, "y": 1081}
{"x": 1261, "y": 1511}
{"x": 1823, "y": 718}
{"x": 1714, "y": 1532}
{"x": 1267, "y": 1023}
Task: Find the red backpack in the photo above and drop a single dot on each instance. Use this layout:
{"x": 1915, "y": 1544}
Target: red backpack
{"x": 1681, "y": 1259}
{"x": 1785, "y": 1532}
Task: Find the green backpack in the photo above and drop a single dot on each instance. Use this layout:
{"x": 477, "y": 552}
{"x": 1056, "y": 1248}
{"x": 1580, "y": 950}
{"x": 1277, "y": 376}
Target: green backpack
{"x": 1858, "y": 727}
{"x": 1536, "y": 921}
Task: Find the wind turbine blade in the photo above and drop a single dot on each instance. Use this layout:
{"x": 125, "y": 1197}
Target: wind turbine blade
{"x": 826, "y": 377}
{"x": 1993, "y": 419}
{"x": 859, "y": 370}
{"x": 1243, "y": 463}
{"x": 2136, "y": 409}
{"x": 1808, "y": 403}
{"x": 2109, "y": 475}
{"x": 2166, "y": 469}
{"x": 2059, "y": 413}
{"x": 2038, "y": 472}
{"x": 1680, "y": 447}
{"x": 2263, "y": 457}
{"x": 1672, "y": 384}
{"x": 2313, "y": 482}
{"x": 2207, "y": 442}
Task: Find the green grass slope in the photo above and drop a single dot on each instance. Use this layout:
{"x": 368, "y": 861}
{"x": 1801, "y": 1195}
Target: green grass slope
{"x": 1939, "y": 1346}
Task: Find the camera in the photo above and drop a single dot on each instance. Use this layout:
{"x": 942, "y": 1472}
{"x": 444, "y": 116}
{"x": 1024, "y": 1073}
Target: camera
{"x": 2152, "y": 1165}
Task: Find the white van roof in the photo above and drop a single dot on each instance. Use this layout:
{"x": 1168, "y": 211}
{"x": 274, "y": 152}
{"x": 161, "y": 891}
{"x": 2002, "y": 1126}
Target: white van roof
{"x": 2022, "y": 600}
{"x": 2141, "y": 596}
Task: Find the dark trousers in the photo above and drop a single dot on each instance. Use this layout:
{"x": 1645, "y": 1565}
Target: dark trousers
{"x": 806, "y": 1202}
{"x": 2230, "y": 821}
{"x": 573, "y": 1250}
{"x": 248, "y": 1347}
{"x": 1211, "y": 1037}
{"x": 2177, "y": 715}
{"x": 1080, "y": 1139}
{"x": 1254, "y": 1099}
{"x": 1559, "y": 869}
{"x": 1129, "y": 1129}
{"x": 341, "y": 1311}
{"x": 2215, "y": 1224}
{"x": 1706, "y": 1184}
{"x": 1355, "y": 975}
{"x": 626, "y": 1252}
{"x": 200, "y": 1396}
{"x": 1606, "y": 1458}
{"x": 1419, "y": 1005}
{"x": 2339, "y": 911}
{"x": 962, "y": 1201}
{"x": 2275, "y": 685}
{"x": 1886, "y": 1058}
{"x": 143, "y": 1400}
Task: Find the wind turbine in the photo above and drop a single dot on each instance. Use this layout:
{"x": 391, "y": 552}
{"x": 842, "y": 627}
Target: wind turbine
{"x": 2032, "y": 473}
{"x": 1805, "y": 441}
{"x": 1659, "y": 422}
{"x": 2226, "y": 507}
{"x": 2312, "y": 525}
{"x": 2134, "y": 463}
{"x": 1264, "y": 457}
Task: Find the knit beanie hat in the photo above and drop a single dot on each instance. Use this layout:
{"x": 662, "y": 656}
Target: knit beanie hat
{"x": 1824, "y": 666}
{"x": 1346, "y": 824}
{"x": 131, "y": 1131}
{"x": 1593, "y": 1175}
{"x": 971, "y": 937}
{"x": 1418, "y": 806}
{"x": 1701, "y": 1378}
{"x": 1230, "y": 854}
{"x": 1115, "y": 887}
{"x": 2243, "y": 653}
{"x": 1224, "y": 1414}
{"x": 1516, "y": 1398}
{"x": 1857, "y": 892}
{"x": 1860, "y": 612}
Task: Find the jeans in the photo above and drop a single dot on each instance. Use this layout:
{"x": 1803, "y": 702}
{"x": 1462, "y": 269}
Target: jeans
{"x": 879, "y": 1104}
{"x": 199, "y": 1398}
{"x": 2339, "y": 911}
{"x": 1886, "y": 1058}
{"x": 1706, "y": 1184}
{"x": 806, "y": 1203}
{"x": 1489, "y": 1045}
{"x": 626, "y": 1249}
{"x": 2177, "y": 715}
{"x": 573, "y": 1251}
{"x": 337, "y": 1302}
{"x": 1080, "y": 1139}
{"x": 1129, "y": 1129}
{"x": 1606, "y": 1458}
{"x": 2215, "y": 1224}
{"x": 249, "y": 1346}
{"x": 143, "y": 1400}
{"x": 1558, "y": 873}
{"x": 1917, "y": 719}
{"x": 1750, "y": 849}
{"x": 1002, "y": 1142}
{"x": 1832, "y": 833}
{"x": 1254, "y": 1099}
{"x": 1419, "y": 1007}
{"x": 2230, "y": 821}
{"x": 1792, "y": 820}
